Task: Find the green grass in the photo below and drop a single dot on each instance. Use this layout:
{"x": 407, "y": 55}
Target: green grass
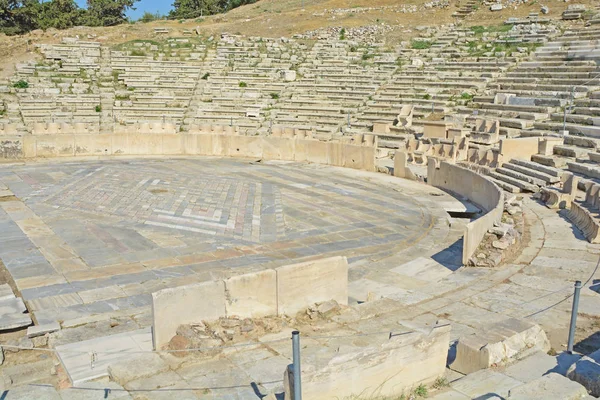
{"x": 420, "y": 44}
{"x": 343, "y": 34}
{"x": 243, "y": 84}
{"x": 21, "y": 84}
{"x": 367, "y": 56}
{"x": 138, "y": 53}
{"x": 274, "y": 96}
{"x": 479, "y": 30}
{"x": 440, "y": 383}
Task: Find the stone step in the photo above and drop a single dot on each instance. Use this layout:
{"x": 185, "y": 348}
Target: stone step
{"x": 550, "y": 161}
{"x": 515, "y": 182}
{"x": 588, "y": 170}
{"x": 532, "y": 172}
{"x": 570, "y": 151}
{"x": 537, "y": 167}
{"x": 505, "y": 185}
{"x": 520, "y": 176}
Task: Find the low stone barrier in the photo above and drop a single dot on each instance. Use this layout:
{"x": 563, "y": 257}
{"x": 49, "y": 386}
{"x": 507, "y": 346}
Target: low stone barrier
{"x": 350, "y": 155}
{"x": 384, "y": 368}
{"x": 497, "y": 344}
{"x": 283, "y": 291}
{"x": 478, "y": 189}
{"x": 147, "y": 128}
{"x": 584, "y": 220}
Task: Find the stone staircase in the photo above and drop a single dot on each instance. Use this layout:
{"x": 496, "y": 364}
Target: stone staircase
{"x": 518, "y": 176}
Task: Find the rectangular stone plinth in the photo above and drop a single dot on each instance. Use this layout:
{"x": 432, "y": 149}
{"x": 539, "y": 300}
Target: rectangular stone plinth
{"x": 300, "y": 285}
{"x": 184, "y": 305}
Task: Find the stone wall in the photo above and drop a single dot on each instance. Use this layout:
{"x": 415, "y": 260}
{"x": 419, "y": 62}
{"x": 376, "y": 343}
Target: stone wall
{"x": 390, "y": 367}
{"x": 283, "y": 291}
{"x": 357, "y": 156}
{"x": 478, "y": 189}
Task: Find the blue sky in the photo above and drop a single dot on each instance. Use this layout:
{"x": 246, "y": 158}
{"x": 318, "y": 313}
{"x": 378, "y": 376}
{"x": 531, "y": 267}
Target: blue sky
{"x": 163, "y": 6}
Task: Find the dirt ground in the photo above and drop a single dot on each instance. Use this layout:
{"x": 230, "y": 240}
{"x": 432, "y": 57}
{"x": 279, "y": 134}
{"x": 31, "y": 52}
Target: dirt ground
{"x": 276, "y": 18}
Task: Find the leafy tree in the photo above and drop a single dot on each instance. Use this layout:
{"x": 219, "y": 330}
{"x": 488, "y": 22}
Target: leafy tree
{"x": 196, "y": 8}
{"x": 149, "y": 17}
{"x": 60, "y": 14}
{"x": 107, "y": 12}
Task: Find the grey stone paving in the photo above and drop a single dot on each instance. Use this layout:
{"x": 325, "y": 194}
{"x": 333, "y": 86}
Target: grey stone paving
{"x": 93, "y": 238}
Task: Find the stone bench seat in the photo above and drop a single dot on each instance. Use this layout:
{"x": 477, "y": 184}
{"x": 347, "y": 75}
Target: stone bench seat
{"x": 574, "y": 129}
{"x": 512, "y": 107}
{"x": 577, "y": 119}
{"x": 590, "y": 111}
{"x": 544, "y": 81}
{"x": 555, "y": 95}
{"x": 554, "y": 75}
{"x": 220, "y": 111}
{"x": 326, "y": 120}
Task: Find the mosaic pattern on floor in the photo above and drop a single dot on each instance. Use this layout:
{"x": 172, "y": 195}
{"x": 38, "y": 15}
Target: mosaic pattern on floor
{"x": 93, "y": 237}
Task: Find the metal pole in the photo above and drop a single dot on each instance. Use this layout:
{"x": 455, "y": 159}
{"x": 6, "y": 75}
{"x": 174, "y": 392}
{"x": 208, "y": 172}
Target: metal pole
{"x": 574, "y": 317}
{"x": 297, "y": 372}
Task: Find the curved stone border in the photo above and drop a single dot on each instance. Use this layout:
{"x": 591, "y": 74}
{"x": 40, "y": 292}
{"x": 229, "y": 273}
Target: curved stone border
{"x": 584, "y": 220}
{"x": 351, "y": 155}
{"x": 477, "y": 189}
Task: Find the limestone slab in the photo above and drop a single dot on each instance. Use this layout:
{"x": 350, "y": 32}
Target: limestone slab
{"x": 540, "y": 364}
{"x": 485, "y": 384}
{"x": 95, "y": 391}
{"x": 12, "y": 321}
{"x": 252, "y": 295}
{"x": 75, "y": 357}
{"x": 426, "y": 269}
{"x": 6, "y": 292}
{"x": 551, "y": 386}
{"x": 136, "y": 367}
{"x": 300, "y": 285}
{"x": 12, "y": 306}
{"x": 40, "y": 330}
{"x": 32, "y": 392}
{"x": 183, "y": 305}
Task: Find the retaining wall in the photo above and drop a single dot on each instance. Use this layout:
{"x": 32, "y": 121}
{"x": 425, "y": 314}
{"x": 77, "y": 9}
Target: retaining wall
{"x": 341, "y": 154}
{"x": 479, "y": 190}
{"x": 285, "y": 290}
{"x": 389, "y": 368}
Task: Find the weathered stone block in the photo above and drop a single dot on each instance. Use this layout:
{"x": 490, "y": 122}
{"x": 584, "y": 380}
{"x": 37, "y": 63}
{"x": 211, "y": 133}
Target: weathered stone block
{"x": 184, "y": 305}
{"x": 252, "y": 295}
{"x": 136, "y": 367}
{"x": 501, "y": 341}
{"x": 300, "y": 285}
{"x": 551, "y": 386}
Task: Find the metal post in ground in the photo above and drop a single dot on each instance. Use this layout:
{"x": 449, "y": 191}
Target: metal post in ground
{"x": 297, "y": 372}
{"x": 574, "y": 317}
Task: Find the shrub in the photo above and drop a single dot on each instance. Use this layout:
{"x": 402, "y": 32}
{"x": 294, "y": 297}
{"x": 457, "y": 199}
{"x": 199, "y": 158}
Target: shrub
{"x": 427, "y": 96}
{"x": 343, "y": 34}
{"x": 420, "y": 44}
{"x": 98, "y": 108}
{"x": 420, "y": 391}
{"x": 467, "y": 96}
{"x": 205, "y": 76}
{"x": 243, "y": 84}
{"x": 138, "y": 53}
{"x": 21, "y": 84}
{"x": 275, "y": 96}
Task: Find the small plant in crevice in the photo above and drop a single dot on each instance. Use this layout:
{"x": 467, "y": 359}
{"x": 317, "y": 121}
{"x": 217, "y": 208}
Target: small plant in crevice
{"x": 21, "y": 84}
